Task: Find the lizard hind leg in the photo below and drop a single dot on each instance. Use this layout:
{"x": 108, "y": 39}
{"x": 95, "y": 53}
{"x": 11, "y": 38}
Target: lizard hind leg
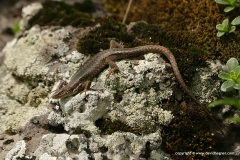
{"x": 113, "y": 67}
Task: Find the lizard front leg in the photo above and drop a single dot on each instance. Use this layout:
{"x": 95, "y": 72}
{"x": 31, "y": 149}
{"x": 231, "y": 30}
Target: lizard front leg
{"x": 83, "y": 87}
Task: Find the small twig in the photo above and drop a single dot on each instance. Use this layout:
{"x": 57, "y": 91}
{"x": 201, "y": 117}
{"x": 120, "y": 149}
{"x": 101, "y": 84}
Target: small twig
{"x": 126, "y": 13}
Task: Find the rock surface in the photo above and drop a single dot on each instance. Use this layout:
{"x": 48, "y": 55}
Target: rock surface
{"x": 29, "y": 60}
{"x": 120, "y": 118}
{"x": 42, "y": 56}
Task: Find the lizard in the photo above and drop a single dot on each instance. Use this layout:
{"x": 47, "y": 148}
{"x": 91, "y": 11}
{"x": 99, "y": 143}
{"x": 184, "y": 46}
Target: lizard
{"x": 82, "y": 78}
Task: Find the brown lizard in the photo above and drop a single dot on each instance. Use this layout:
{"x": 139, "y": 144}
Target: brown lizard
{"x": 93, "y": 66}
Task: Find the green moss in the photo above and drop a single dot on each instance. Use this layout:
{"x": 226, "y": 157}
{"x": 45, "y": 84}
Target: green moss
{"x": 60, "y": 13}
{"x": 86, "y": 6}
{"x": 188, "y": 56}
{"x": 78, "y": 130}
{"x": 101, "y": 36}
{"x": 115, "y": 6}
{"x": 108, "y": 127}
{"x": 91, "y": 44}
{"x": 188, "y": 23}
{"x": 188, "y": 132}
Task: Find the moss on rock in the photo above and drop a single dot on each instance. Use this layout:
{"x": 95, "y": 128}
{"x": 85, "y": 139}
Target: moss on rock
{"x": 100, "y": 37}
{"x": 56, "y": 13}
{"x": 188, "y": 23}
{"x": 189, "y": 132}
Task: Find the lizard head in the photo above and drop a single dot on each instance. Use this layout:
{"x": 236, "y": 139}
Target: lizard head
{"x": 62, "y": 92}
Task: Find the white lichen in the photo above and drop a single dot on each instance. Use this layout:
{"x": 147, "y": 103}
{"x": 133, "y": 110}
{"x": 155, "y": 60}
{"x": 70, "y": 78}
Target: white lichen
{"x": 203, "y": 84}
{"x": 17, "y": 152}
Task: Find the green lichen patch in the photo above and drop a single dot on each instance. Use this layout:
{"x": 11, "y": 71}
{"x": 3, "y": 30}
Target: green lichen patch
{"x": 188, "y": 132}
{"x": 101, "y": 36}
{"x": 56, "y": 13}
